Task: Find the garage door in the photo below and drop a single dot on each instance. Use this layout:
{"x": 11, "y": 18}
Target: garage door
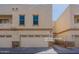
{"x": 77, "y": 42}
{"x": 33, "y": 42}
{"x": 5, "y": 41}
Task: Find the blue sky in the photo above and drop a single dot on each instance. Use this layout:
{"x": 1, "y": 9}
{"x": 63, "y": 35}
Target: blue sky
{"x": 58, "y": 9}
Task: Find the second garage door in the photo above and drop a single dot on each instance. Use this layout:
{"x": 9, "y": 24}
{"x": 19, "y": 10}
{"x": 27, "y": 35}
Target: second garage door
{"x": 33, "y": 42}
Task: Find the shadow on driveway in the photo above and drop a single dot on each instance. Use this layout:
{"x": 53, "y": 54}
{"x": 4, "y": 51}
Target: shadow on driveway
{"x": 62, "y": 50}
{"x": 22, "y": 50}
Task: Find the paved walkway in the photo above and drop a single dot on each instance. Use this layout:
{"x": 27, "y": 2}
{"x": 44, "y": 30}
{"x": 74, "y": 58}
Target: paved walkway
{"x": 49, "y": 51}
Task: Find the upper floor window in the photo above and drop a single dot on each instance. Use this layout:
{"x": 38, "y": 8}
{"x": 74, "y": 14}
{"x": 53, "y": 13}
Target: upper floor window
{"x": 76, "y": 19}
{"x": 21, "y": 19}
{"x": 35, "y": 19}
{"x": 5, "y": 19}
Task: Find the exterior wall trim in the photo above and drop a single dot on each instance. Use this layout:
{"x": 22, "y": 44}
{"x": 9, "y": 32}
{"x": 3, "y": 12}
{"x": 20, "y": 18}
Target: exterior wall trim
{"x": 23, "y": 29}
{"x": 72, "y": 29}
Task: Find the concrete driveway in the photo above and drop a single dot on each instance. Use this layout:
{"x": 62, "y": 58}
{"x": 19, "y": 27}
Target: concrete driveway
{"x": 49, "y": 51}
{"x": 31, "y": 50}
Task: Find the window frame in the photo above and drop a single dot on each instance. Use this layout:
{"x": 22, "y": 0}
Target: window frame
{"x": 22, "y": 21}
{"x": 76, "y": 19}
{"x": 34, "y": 20}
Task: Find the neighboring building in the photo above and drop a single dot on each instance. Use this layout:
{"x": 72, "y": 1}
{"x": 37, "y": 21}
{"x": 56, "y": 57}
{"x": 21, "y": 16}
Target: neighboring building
{"x": 25, "y": 25}
{"x": 67, "y": 27}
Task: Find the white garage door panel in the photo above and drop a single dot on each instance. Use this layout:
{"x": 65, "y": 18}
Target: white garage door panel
{"x": 33, "y": 42}
{"x": 77, "y": 42}
{"x": 5, "y": 43}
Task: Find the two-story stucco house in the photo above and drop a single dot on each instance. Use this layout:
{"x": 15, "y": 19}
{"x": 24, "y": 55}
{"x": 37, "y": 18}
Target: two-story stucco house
{"x": 67, "y": 27}
{"x": 25, "y": 25}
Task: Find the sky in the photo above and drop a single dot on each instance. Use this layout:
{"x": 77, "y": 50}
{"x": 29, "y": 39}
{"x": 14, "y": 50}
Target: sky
{"x": 58, "y": 9}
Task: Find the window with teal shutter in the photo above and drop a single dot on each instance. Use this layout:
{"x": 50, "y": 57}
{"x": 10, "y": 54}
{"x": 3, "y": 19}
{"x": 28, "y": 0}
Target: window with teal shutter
{"x": 35, "y": 19}
{"x": 21, "y": 19}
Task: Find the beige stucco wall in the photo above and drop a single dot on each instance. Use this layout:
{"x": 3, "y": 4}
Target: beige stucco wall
{"x": 74, "y": 11}
{"x": 44, "y": 11}
{"x": 24, "y": 41}
{"x": 63, "y": 21}
{"x": 62, "y": 24}
{"x": 66, "y": 20}
{"x": 45, "y": 22}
